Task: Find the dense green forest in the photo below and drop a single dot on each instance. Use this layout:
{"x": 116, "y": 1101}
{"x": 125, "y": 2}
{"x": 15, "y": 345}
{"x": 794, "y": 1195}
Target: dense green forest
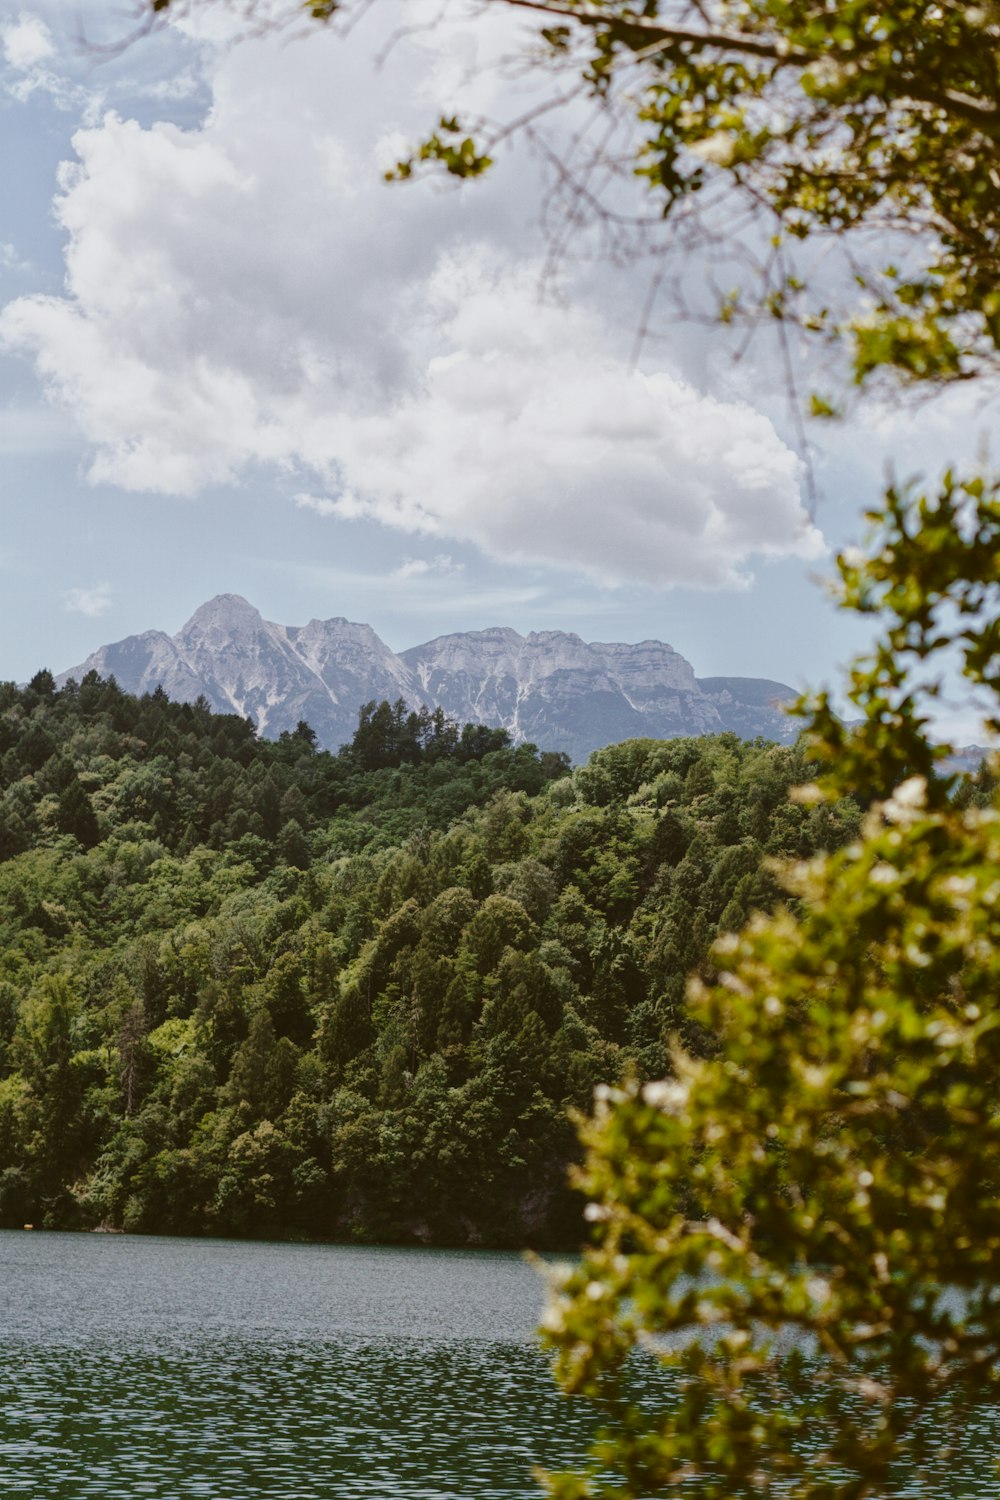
{"x": 252, "y": 988}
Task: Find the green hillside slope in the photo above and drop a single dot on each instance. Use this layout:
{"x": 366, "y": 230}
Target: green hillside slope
{"x": 249, "y": 988}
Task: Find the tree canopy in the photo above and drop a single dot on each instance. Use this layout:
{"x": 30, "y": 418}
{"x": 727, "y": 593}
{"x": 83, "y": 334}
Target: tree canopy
{"x": 805, "y": 1224}
{"x": 256, "y": 988}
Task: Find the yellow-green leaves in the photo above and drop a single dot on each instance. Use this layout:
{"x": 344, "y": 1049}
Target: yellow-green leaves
{"x": 449, "y": 146}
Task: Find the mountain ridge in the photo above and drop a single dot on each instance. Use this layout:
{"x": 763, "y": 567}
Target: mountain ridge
{"x": 550, "y": 687}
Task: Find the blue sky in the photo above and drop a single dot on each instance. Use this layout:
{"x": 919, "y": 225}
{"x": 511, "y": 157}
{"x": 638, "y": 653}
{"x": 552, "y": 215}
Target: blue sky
{"x": 233, "y": 359}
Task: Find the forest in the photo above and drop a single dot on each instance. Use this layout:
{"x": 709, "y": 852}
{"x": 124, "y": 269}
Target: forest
{"x": 251, "y": 988}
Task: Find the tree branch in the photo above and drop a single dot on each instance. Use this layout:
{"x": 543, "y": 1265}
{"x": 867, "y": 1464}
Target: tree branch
{"x": 732, "y": 41}
{"x": 953, "y": 101}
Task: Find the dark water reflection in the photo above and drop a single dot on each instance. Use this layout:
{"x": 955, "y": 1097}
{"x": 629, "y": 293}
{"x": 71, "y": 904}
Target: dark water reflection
{"x": 166, "y": 1368}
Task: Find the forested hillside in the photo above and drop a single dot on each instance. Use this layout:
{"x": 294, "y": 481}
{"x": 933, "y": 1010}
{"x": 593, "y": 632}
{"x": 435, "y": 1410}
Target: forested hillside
{"x": 253, "y": 988}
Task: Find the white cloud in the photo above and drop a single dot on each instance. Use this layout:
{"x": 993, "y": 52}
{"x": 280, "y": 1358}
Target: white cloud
{"x": 527, "y": 437}
{"x": 180, "y": 86}
{"x": 250, "y": 293}
{"x": 92, "y": 602}
{"x": 10, "y": 260}
{"x": 222, "y": 21}
{"x": 31, "y": 64}
{"x": 318, "y": 504}
{"x": 442, "y": 565}
{"x": 957, "y": 422}
{"x": 26, "y": 42}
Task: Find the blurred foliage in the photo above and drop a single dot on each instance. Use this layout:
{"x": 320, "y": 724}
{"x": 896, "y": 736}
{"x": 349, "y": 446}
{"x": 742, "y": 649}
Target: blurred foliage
{"x": 252, "y": 988}
{"x": 803, "y": 1223}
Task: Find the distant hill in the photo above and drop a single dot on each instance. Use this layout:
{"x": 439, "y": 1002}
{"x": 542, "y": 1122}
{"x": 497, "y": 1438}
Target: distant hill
{"x": 549, "y": 687}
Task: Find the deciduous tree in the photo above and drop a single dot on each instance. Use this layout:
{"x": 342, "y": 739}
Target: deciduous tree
{"x": 804, "y": 1226}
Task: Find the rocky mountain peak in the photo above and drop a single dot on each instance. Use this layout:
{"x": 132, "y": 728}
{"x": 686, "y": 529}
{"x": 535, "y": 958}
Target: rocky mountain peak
{"x": 221, "y": 609}
{"x": 550, "y": 687}
{"x": 227, "y": 618}
{"x": 551, "y": 637}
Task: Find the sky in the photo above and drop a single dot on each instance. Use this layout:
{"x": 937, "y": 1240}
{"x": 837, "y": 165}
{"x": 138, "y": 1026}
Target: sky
{"x": 234, "y": 359}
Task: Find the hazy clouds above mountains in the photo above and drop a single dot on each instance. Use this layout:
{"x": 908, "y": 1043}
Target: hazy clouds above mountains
{"x": 244, "y": 293}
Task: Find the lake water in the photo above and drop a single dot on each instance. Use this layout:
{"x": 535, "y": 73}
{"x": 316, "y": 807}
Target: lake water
{"x": 134, "y": 1368}
{"x": 149, "y": 1368}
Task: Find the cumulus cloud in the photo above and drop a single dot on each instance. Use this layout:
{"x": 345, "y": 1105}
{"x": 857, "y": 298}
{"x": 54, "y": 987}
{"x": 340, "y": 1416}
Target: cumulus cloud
{"x": 92, "y": 602}
{"x": 528, "y": 437}
{"x": 249, "y": 293}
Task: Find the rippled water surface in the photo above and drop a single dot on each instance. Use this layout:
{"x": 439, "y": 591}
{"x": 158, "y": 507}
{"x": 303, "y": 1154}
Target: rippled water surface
{"x": 165, "y": 1368}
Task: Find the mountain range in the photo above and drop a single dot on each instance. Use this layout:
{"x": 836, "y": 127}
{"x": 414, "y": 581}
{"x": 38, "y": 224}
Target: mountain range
{"x": 549, "y": 687}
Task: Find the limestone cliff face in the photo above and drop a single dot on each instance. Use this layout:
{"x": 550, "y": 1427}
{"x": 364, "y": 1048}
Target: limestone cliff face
{"x": 549, "y": 686}
{"x": 562, "y": 692}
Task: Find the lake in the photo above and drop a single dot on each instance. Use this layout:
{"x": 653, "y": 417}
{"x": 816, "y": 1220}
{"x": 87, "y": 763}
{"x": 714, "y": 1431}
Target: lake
{"x": 146, "y": 1367}
{"x": 156, "y": 1369}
